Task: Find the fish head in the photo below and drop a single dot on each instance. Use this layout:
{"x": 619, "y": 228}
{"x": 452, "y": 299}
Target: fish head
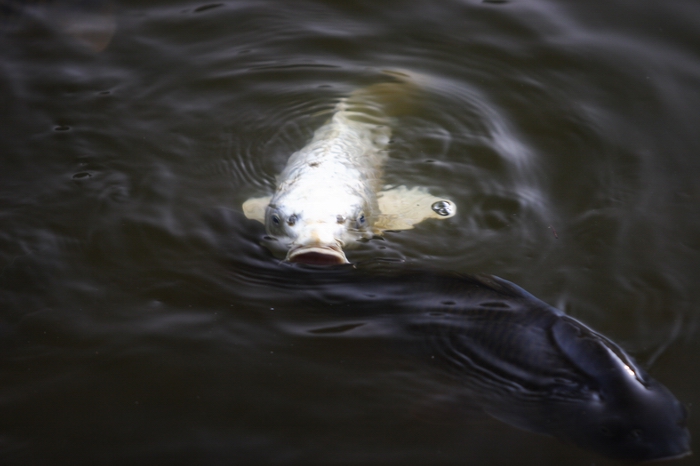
{"x": 646, "y": 424}
{"x": 316, "y": 232}
{"x": 627, "y": 414}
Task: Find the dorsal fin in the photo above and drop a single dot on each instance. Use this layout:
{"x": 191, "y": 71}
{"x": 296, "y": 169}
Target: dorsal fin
{"x": 507, "y": 288}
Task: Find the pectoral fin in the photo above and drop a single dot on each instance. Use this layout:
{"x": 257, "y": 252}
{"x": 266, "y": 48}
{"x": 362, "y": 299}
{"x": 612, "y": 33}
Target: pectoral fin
{"x": 401, "y": 208}
{"x": 254, "y": 208}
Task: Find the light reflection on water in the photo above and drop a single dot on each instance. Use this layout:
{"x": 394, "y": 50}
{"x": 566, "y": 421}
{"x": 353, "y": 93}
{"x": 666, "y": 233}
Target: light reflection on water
{"x": 142, "y": 315}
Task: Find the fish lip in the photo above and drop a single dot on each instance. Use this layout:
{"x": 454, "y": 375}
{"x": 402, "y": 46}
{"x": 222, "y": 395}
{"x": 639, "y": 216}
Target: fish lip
{"x": 317, "y": 255}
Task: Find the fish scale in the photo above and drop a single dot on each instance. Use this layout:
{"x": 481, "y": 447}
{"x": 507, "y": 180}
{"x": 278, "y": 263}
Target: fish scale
{"x": 492, "y": 341}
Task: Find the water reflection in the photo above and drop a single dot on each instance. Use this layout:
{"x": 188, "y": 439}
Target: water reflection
{"x": 90, "y": 23}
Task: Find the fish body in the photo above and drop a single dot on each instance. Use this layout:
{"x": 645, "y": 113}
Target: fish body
{"x": 534, "y": 367}
{"x": 546, "y": 372}
{"x": 326, "y": 197}
{"x": 329, "y": 194}
{"x": 522, "y": 361}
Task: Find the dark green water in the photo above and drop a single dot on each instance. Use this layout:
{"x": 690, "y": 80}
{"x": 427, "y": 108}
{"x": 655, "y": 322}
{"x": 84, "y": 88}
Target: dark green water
{"x": 142, "y": 322}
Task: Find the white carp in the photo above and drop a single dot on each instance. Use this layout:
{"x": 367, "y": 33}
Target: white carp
{"x": 330, "y": 193}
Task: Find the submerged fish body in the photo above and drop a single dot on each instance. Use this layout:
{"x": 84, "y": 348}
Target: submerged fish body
{"x": 554, "y": 375}
{"x": 329, "y": 194}
{"x": 532, "y": 366}
{"x": 521, "y": 360}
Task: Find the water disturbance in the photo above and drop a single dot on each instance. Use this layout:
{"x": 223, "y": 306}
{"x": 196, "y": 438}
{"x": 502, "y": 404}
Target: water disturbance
{"x": 145, "y": 320}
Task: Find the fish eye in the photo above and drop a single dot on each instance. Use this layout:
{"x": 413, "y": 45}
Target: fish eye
{"x": 292, "y": 220}
{"x": 443, "y": 208}
{"x": 275, "y": 219}
{"x": 361, "y": 220}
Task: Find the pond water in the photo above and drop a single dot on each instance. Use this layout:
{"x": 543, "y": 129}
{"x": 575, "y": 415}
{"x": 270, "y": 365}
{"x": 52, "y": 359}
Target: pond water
{"x": 144, "y": 321}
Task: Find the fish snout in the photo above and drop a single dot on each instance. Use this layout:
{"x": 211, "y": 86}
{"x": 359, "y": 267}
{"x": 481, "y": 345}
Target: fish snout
{"x": 317, "y": 245}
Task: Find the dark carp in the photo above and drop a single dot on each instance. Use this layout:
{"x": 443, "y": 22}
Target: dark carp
{"x": 523, "y": 361}
{"x": 535, "y": 368}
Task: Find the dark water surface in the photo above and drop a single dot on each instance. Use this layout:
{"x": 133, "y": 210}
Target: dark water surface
{"x": 142, "y": 321}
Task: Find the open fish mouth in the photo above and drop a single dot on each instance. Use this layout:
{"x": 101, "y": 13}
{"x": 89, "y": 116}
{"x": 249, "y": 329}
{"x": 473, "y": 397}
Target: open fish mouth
{"x": 317, "y": 255}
